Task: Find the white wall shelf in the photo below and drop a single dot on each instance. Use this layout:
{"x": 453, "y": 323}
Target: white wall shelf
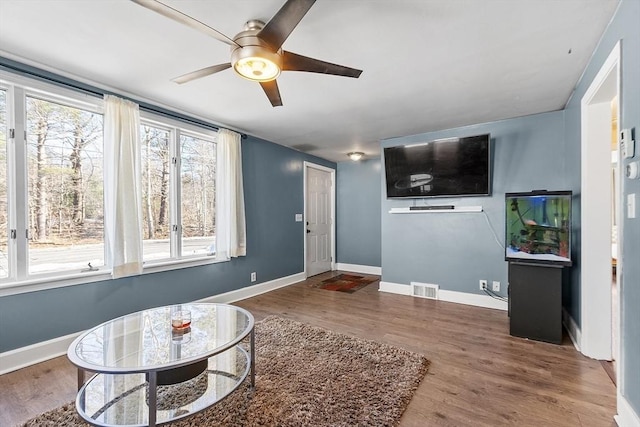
{"x": 456, "y": 209}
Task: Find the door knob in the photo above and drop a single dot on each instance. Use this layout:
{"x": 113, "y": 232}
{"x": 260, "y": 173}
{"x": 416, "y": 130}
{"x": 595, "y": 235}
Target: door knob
{"x": 308, "y": 231}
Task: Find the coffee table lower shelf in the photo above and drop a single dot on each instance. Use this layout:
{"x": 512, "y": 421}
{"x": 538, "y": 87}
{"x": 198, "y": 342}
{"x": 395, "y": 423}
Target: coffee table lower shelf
{"x": 123, "y": 399}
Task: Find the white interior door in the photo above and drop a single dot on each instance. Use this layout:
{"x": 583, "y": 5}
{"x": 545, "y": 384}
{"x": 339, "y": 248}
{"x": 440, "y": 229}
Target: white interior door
{"x": 319, "y": 220}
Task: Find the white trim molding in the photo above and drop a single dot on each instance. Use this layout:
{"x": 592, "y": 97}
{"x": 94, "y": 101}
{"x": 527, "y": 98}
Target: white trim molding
{"x": 254, "y": 290}
{"x": 332, "y": 172}
{"x": 626, "y": 417}
{"x": 22, "y": 357}
{"x": 394, "y": 288}
{"x": 572, "y": 328}
{"x": 356, "y": 268}
{"x": 484, "y": 301}
{"x": 473, "y": 299}
{"x": 595, "y": 277}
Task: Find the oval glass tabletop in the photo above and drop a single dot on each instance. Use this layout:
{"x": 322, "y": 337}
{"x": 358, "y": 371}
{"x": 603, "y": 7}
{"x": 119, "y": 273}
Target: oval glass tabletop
{"x": 146, "y": 341}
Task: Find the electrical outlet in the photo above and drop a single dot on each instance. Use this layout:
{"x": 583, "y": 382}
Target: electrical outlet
{"x": 482, "y": 285}
{"x": 496, "y": 286}
{"x": 253, "y": 277}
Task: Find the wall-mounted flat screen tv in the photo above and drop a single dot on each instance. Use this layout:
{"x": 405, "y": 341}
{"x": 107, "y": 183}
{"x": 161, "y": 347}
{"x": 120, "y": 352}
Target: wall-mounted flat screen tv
{"x": 449, "y": 167}
{"x": 538, "y": 227}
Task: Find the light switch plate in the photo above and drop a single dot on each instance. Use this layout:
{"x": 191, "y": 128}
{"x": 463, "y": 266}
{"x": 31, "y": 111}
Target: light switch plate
{"x": 298, "y": 217}
{"x": 631, "y": 205}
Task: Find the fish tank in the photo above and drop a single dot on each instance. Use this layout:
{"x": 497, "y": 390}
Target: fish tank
{"x": 538, "y": 227}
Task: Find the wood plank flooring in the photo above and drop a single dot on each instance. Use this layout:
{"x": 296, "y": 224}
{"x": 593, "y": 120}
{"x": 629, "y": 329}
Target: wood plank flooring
{"x": 479, "y": 374}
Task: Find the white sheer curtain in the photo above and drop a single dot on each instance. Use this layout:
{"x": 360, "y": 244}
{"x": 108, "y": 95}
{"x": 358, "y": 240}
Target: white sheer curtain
{"x": 123, "y": 218}
{"x": 231, "y": 240}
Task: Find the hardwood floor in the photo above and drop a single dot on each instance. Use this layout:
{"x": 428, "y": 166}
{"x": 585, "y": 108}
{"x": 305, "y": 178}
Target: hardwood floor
{"x": 479, "y": 374}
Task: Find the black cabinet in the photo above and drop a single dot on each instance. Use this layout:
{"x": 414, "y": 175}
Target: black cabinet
{"x": 535, "y": 301}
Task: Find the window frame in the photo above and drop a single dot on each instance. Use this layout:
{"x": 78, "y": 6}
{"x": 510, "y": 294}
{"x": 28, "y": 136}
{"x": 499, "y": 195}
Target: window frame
{"x": 176, "y": 129}
{"x": 10, "y": 166}
{"x": 22, "y": 141}
{"x": 18, "y": 281}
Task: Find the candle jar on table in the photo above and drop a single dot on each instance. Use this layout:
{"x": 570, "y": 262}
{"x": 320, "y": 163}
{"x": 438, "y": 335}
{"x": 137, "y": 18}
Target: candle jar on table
{"x": 180, "y": 319}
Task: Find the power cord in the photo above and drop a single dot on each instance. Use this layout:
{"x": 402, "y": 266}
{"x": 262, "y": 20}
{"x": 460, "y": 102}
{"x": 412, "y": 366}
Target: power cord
{"x": 495, "y": 235}
{"x": 495, "y": 296}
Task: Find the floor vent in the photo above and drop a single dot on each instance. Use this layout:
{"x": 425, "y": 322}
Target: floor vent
{"x": 424, "y": 290}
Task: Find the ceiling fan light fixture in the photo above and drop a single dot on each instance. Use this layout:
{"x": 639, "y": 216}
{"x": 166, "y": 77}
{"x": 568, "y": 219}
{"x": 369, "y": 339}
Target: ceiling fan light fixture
{"x": 257, "y": 69}
{"x": 355, "y": 155}
{"x": 256, "y": 52}
{"x": 253, "y": 61}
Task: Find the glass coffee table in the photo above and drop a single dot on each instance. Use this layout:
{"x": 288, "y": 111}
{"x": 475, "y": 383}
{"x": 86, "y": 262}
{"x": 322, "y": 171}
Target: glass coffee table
{"x": 150, "y": 373}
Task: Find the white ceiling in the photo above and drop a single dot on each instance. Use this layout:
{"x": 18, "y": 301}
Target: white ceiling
{"x": 428, "y": 64}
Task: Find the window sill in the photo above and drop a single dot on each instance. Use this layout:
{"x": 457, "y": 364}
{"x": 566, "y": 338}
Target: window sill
{"x": 52, "y": 282}
{"x": 159, "y": 266}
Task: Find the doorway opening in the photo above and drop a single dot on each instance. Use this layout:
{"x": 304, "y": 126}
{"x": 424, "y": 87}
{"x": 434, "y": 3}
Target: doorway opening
{"x": 601, "y": 198}
{"x": 319, "y": 214}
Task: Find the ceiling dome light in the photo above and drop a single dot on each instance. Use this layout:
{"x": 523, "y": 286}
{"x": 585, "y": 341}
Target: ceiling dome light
{"x": 355, "y": 155}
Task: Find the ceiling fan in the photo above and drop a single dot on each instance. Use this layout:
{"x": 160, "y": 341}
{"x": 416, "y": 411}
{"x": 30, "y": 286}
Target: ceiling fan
{"x": 256, "y": 52}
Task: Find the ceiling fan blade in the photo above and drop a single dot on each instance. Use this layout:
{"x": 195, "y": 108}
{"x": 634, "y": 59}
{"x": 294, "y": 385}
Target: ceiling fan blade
{"x": 276, "y": 31}
{"x": 180, "y": 17}
{"x": 294, "y": 62}
{"x": 272, "y": 92}
{"x": 201, "y": 73}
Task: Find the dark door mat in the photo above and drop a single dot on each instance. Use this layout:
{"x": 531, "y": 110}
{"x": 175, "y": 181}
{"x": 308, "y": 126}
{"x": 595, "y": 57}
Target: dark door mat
{"x": 348, "y": 283}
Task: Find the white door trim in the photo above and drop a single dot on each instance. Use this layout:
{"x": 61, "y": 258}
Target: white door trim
{"x": 595, "y": 276}
{"x": 332, "y": 172}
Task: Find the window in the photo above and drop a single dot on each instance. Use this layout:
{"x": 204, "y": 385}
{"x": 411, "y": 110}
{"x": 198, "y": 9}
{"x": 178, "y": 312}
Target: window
{"x": 177, "y": 164}
{"x": 4, "y": 195}
{"x": 155, "y": 161}
{"x": 65, "y": 191}
{"x": 52, "y": 187}
{"x": 51, "y": 191}
{"x": 197, "y": 180}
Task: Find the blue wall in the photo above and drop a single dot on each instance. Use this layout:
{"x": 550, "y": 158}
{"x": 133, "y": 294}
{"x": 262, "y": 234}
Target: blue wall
{"x": 624, "y": 27}
{"x": 273, "y": 183}
{"x": 358, "y": 213}
{"x": 455, "y": 250}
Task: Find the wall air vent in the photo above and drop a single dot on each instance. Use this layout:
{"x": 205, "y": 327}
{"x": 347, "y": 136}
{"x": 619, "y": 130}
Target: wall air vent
{"x": 424, "y": 290}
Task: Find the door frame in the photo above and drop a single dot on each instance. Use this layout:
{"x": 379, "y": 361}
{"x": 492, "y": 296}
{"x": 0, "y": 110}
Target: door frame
{"x": 332, "y": 172}
{"x": 595, "y": 275}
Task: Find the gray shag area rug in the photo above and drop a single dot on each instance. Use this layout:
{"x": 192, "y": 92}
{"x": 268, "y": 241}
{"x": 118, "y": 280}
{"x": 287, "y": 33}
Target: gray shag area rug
{"x": 305, "y": 376}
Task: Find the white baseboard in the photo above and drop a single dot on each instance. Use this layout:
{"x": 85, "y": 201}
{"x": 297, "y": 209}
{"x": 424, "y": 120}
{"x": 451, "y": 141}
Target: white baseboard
{"x": 473, "y": 299}
{"x": 626, "y": 417}
{"x": 255, "y": 290}
{"x": 22, "y": 357}
{"x": 572, "y": 328}
{"x": 449, "y": 296}
{"x": 355, "y": 268}
{"x": 394, "y": 288}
